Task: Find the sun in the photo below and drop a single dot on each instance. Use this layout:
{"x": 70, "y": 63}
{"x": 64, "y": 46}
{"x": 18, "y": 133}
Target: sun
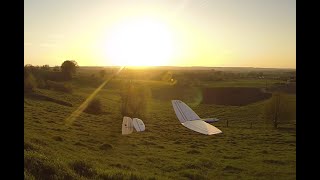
{"x": 139, "y": 42}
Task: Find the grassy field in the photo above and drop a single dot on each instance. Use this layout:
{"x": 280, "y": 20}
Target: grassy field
{"x": 92, "y": 147}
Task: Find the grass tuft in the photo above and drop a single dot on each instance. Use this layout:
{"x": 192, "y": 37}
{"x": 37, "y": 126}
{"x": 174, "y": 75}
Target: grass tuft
{"x": 83, "y": 168}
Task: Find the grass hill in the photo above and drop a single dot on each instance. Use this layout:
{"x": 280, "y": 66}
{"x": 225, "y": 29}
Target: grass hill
{"x": 92, "y": 147}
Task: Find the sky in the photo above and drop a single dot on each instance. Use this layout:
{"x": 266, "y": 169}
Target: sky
{"x": 216, "y": 33}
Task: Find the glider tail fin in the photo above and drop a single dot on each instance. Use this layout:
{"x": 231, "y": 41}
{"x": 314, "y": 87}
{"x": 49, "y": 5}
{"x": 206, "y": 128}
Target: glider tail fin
{"x": 127, "y": 126}
{"x": 210, "y": 120}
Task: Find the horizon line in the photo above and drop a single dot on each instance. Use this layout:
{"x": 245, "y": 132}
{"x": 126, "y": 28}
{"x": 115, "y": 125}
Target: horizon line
{"x": 194, "y": 67}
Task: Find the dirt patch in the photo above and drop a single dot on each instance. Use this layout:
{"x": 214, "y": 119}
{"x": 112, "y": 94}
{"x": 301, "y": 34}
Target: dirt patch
{"x": 274, "y": 162}
{"x": 193, "y": 152}
{"x": 232, "y": 157}
{"x": 79, "y": 144}
{"x": 105, "y": 147}
{"x": 148, "y": 143}
{"x": 233, "y": 96}
{"x": 57, "y": 138}
{"x": 231, "y": 169}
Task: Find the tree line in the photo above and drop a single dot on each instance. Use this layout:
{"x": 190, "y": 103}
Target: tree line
{"x": 44, "y": 76}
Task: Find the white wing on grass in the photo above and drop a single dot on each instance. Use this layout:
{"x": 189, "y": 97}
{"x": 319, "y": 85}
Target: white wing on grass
{"x": 138, "y": 124}
{"x": 191, "y": 120}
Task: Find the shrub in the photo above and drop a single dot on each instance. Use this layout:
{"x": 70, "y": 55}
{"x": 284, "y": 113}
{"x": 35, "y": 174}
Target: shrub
{"x": 53, "y": 76}
{"x": 59, "y": 86}
{"x": 94, "y": 107}
{"x": 41, "y": 83}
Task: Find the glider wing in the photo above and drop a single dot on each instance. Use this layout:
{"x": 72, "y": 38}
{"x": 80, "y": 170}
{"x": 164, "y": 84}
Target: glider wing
{"x": 191, "y": 120}
{"x": 138, "y": 124}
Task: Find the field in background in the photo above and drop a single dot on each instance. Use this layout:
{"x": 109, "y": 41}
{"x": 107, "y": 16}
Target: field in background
{"x": 93, "y": 147}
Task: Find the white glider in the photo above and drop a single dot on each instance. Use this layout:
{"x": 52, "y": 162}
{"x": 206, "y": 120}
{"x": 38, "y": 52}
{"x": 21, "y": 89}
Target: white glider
{"x": 191, "y": 120}
{"x": 128, "y": 124}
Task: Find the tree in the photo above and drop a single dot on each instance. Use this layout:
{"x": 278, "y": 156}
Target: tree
{"x": 56, "y": 68}
{"x": 280, "y": 109}
{"x": 102, "y": 73}
{"x": 29, "y": 68}
{"x": 45, "y": 67}
{"x": 68, "y": 68}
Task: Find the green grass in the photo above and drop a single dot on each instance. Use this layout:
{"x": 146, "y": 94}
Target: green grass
{"x": 93, "y": 147}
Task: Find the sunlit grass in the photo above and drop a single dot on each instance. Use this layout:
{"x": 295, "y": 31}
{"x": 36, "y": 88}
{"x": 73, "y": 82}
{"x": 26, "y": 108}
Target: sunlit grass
{"x": 166, "y": 150}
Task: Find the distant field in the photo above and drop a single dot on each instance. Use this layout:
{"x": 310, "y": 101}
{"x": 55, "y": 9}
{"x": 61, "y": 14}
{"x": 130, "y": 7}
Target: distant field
{"x": 93, "y": 147}
{"x": 261, "y": 83}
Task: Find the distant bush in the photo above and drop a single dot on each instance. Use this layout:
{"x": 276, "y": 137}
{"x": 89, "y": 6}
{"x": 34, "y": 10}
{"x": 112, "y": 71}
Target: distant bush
{"x": 53, "y": 75}
{"x": 59, "y": 86}
{"x": 94, "y": 107}
{"x": 41, "y": 83}
{"x": 56, "y": 68}
{"x": 102, "y": 73}
{"x": 45, "y": 67}
{"x": 44, "y": 73}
